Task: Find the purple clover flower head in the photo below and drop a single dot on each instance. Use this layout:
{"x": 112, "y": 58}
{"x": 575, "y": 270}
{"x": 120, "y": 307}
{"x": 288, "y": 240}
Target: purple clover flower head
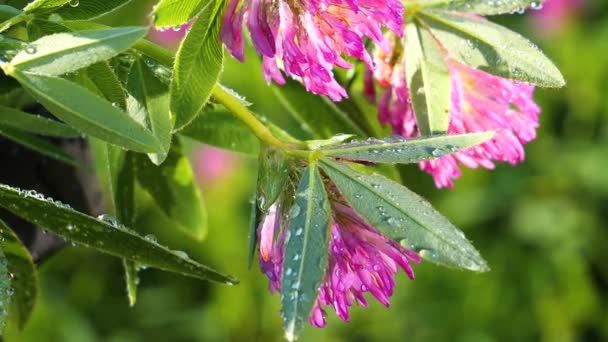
{"x": 361, "y": 260}
{"x": 307, "y": 38}
{"x": 479, "y": 102}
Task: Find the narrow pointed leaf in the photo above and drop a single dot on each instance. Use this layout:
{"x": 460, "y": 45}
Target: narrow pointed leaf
{"x": 197, "y": 67}
{"x": 317, "y": 115}
{"x": 174, "y": 189}
{"x": 23, "y": 273}
{"x": 39, "y": 5}
{"x": 306, "y": 250}
{"x": 221, "y": 129}
{"x": 131, "y": 280}
{"x": 37, "y": 144}
{"x": 428, "y": 79}
{"x": 272, "y": 177}
{"x": 176, "y": 12}
{"x": 396, "y": 150}
{"x": 489, "y": 7}
{"x": 62, "y": 53}
{"x": 115, "y": 240}
{"x": 154, "y": 96}
{"x": 107, "y": 84}
{"x": 84, "y": 110}
{"x": 34, "y": 123}
{"x": 89, "y": 9}
{"x": 121, "y": 174}
{"x": 492, "y": 48}
{"x": 254, "y": 221}
{"x": 5, "y": 289}
{"x": 404, "y": 216}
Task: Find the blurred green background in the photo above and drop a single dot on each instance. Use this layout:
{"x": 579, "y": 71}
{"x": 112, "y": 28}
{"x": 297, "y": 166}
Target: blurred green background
{"x": 542, "y": 226}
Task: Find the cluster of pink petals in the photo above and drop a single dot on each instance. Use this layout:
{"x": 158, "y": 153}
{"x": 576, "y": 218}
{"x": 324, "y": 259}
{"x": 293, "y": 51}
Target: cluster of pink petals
{"x": 479, "y": 102}
{"x": 307, "y": 38}
{"x": 361, "y": 260}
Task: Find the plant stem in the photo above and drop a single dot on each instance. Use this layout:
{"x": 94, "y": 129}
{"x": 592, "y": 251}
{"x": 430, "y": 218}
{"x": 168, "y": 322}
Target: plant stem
{"x": 242, "y": 113}
{"x": 228, "y": 100}
{"x": 5, "y": 25}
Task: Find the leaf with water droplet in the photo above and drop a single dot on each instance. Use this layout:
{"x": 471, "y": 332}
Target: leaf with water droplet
{"x": 406, "y": 150}
{"x": 61, "y": 53}
{"x": 88, "y": 9}
{"x": 90, "y": 232}
{"x": 153, "y": 95}
{"x": 22, "y": 273}
{"x": 488, "y": 7}
{"x": 419, "y": 223}
{"x": 88, "y": 112}
{"x": 492, "y": 48}
{"x": 37, "y": 6}
{"x": 306, "y": 252}
{"x": 427, "y": 72}
{"x": 170, "y": 13}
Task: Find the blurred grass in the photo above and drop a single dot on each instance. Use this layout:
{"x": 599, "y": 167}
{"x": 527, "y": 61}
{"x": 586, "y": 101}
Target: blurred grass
{"x": 541, "y": 225}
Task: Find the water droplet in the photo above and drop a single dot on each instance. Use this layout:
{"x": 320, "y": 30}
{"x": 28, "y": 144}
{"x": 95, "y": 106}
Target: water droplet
{"x": 74, "y": 3}
{"x": 151, "y": 238}
{"x": 70, "y": 227}
{"x": 31, "y": 49}
{"x": 299, "y": 231}
{"x": 181, "y": 254}
{"x": 294, "y": 211}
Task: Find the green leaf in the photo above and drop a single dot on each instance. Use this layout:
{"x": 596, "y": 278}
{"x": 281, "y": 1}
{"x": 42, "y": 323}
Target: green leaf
{"x": 131, "y": 279}
{"x": 40, "y": 5}
{"x": 273, "y": 174}
{"x": 8, "y": 16}
{"x": 317, "y": 115}
{"x": 255, "y": 219}
{"x": 39, "y": 145}
{"x": 103, "y": 236}
{"x": 154, "y": 96}
{"x": 402, "y": 215}
{"x": 306, "y": 250}
{"x": 89, "y": 113}
{"x": 38, "y": 28}
{"x": 492, "y": 48}
{"x": 5, "y": 290}
{"x": 62, "y": 53}
{"x": 222, "y": 129}
{"x": 89, "y": 9}
{"x": 489, "y": 7}
{"x": 8, "y": 12}
{"x": 34, "y": 123}
{"x": 174, "y": 189}
{"x": 176, "y": 12}
{"x": 23, "y": 273}
{"x": 197, "y": 67}
{"x": 428, "y": 79}
{"x": 106, "y": 83}
{"x": 121, "y": 172}
{"x": 397, "y": 150}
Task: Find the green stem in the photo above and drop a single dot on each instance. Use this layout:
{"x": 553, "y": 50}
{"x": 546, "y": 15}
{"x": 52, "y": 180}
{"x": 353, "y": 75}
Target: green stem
{"x": 242, "y": 113}
{"x": 224, "y": 97}
{"x": 12, "y": 22}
